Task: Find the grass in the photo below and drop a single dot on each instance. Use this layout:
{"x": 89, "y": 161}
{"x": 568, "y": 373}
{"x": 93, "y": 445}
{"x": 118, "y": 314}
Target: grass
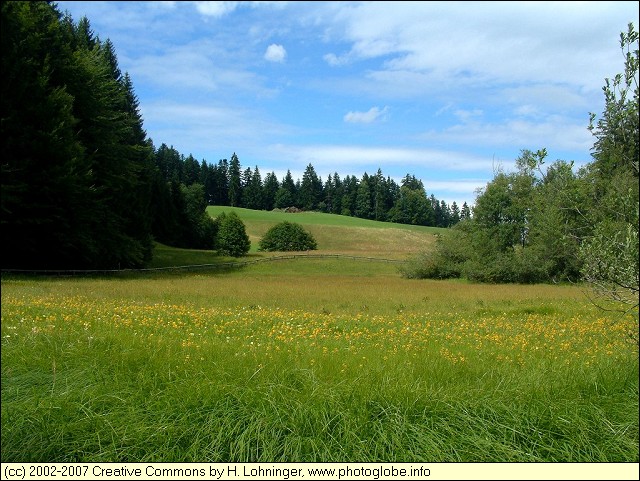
{"x": 312, "y": 360}
{"x": 341, "y": 234}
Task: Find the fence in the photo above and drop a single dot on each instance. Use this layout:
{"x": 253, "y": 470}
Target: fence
{"x": 217, "y": 266}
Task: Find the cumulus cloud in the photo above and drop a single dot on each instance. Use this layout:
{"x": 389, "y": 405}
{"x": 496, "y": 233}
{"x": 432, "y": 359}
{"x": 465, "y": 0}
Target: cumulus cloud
{"x": 275, "y": 53}
{"x": 371, "y": 115}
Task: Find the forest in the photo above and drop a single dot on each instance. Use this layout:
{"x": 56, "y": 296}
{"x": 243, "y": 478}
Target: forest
{"x": 83, "y": 186}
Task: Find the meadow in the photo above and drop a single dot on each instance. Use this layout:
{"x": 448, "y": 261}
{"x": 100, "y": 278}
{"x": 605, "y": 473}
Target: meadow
{"x": 312, "y": 360}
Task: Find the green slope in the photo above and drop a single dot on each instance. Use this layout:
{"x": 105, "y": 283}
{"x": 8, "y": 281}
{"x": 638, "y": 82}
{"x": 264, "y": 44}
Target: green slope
{"x": 337, "y": 234}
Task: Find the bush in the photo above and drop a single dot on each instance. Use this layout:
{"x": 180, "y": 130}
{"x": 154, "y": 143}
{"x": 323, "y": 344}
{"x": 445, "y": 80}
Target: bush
{"x": 287, "y": 236}
{"x": 232, "y": 239}
{"x": 445, "y": 262}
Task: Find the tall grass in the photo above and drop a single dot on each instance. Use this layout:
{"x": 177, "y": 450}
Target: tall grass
{"x": 312, "y": 360}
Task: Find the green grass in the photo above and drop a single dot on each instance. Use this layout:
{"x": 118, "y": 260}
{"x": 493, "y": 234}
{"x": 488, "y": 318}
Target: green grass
{"x": 167, "y": 256}
{"x": 341, "y": 234}
{"x": 312, "y": 359}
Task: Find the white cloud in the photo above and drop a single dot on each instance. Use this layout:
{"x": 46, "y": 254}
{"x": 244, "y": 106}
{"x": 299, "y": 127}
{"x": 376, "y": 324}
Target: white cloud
{"x": 275, "y": 53}
{"x": 209, "y": 131}
{"x": 553, "y": 132}
{"x": 216, "y": 9}
{"x": 468, "y": 115}
{"x": 371, "y": 115}
{"x": 500, "y": 42}
{"x": 458, "y": 191}
{"x": 346, "y": 157}
{"x": 334, "y": 61}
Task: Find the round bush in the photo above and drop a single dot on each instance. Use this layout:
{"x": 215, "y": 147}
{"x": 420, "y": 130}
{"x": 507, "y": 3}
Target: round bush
{"x": 232, "y": 238}
{"x": 287, "y": 236}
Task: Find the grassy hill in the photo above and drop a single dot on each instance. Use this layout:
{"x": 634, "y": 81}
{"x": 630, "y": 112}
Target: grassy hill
{"x": 338, "y": 234}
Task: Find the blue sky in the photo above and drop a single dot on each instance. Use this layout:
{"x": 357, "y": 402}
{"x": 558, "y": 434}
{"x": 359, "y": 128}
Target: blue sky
{"x": 446, "y": 91}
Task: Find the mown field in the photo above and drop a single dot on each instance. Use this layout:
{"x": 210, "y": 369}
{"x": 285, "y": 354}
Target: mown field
{"x": 312, "y": 360}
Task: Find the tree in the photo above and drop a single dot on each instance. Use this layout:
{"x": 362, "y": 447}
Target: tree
{"x": 349, "y": 195}
{"x": 235, "y": 182}
{"x": 455, "y": 213}
{"x": 610, "y": 255}
{"x": 363, "y": 199}
{"x": 310, "y": 189}
{"x": 329, "y": 191}
{"x": 517, "y": 234}
{"x": 191, "y": 170}
{"x": 43, "y": 166}
{"x": 269, "y": 191}
{"x": 465, "y": 212}
{"x": 412, "y": 206}
{"x": 555, "y": 232}
{"x": 220, "y": 183}
{"x": 232, "y": 239}
{"x": 382, "y": 200}
{"x": 169, "y": 162}
{"x": 76, "y": 172}
{"x": 287, "y": 236}
{"x": 503, "y": 207}
{"x": 287, "y": 194}
{"x": 252, "y": 189}
{"x": 199, "y": 227}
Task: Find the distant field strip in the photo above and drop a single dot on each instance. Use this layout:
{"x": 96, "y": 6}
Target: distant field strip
{"x": 219, "y": 265}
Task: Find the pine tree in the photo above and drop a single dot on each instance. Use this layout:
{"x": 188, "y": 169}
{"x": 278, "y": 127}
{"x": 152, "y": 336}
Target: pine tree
{"x": 45, "y": 216}
{"x": 310, "y": 189}
{"x": 287, "y": 195}
{"x": 252, "y": 192}
{"x": 269, "y": 191}
{"x": 363, "y": 199}
{"x": 234, "y": 182}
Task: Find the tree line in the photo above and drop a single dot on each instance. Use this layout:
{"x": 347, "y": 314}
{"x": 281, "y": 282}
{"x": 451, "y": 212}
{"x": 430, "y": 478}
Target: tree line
{"x": 373, "y": 197}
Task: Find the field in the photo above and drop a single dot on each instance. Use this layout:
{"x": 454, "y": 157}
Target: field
{"x": 312, "y": 360}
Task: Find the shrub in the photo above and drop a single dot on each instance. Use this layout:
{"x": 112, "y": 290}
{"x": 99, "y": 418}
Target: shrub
{"x": 287, "y": 236}
{"x": 232, "y": 239}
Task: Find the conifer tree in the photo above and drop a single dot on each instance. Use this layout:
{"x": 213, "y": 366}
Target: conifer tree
{"x": 234, "y": 182}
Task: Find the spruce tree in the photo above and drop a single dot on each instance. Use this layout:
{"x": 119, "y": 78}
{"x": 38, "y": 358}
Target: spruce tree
{"x": 234, "y": 182}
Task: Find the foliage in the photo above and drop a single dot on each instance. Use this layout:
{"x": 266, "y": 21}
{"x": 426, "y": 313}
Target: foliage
{"x": 446, "y": 261}
{"x": 611, "y": 263}
{"x": 199, "y": 227}
{"x": 82, "y": 186}
{"x": 505, "y": 239}
{"x": 287, "y": 236}
{"x": 370, "y": 197}
{"x": 75, "y": 164}
{"x": 232, "y": 239}
{"x": 610, "y": 255}
{"x": 537, "y": 225}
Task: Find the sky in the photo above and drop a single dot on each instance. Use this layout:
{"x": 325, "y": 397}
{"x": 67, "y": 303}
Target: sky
{"x": 451, "y": 92}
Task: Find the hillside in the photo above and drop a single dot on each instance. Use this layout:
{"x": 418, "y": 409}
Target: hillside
{"x": 337, "y": 234}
